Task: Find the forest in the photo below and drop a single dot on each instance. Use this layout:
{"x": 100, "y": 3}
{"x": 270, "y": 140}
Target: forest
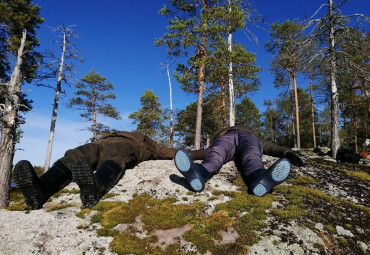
{"x": 331, "y": 51}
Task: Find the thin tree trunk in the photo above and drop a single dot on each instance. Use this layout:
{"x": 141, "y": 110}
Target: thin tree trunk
{"x": 296, "y": 111}
{"x": 94, "y": 116}
{"x": 55, "y": 107}
{"x": 9, "y": 125}
{"x": 202, "y": 52}
{"x": 292, "y": 113}
{"x": 231, "y": 80}
{"x": 312, "y": 113}
{"x": 171, "y": 110}
{"x": 223, "y": 101}
{"x": 335, "y": 143}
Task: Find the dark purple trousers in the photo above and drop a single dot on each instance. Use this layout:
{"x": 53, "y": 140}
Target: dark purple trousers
{"x": 242, "y": 147}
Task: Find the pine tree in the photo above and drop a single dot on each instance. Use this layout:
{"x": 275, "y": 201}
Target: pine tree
{"x": 329, "y": 31}
{"x": 149, "y": 117}
{"x": 247, "y": 113}
{"x": 193, "y": 25}
{"x": 92, "y": 101}
{"x": 285, "y": 45}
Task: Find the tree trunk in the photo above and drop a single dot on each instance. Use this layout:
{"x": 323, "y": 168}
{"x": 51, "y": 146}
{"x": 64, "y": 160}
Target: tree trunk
{"x": 202, "y": 53}
{"x": 231, "y": 80}
{"x": 335, "y": 143}
{"x": 292, "y": 113}
{"x": 223, "y": 101}
{"x": 94, "y": 117}
{"x": 296, "y": 110}
{"x": 8, "y": 125}
{"x": 312, "y": 113}
{"x": 171, "y": 110}
{"x": 55, "y": 107}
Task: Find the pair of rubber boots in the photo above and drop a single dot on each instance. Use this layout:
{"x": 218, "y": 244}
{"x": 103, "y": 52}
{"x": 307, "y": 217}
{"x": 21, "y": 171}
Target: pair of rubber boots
{"x": 37, "y": 190}
{"x": 259, "y": 182}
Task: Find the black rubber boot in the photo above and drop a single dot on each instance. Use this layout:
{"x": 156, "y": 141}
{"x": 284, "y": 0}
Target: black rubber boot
{"x": 37, "y": 190}
{"x": 262, "y": 181}
{"x": 95, "y": 185}
{"x": 195, "y": 174}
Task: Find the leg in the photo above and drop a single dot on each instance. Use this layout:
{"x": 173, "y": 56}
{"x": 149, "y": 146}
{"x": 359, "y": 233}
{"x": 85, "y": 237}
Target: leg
{"x": 249, "y": 162}
{"x": 114, "y": 155}
{"x": 221, "y": 151}
{"x": 38, "y": 190}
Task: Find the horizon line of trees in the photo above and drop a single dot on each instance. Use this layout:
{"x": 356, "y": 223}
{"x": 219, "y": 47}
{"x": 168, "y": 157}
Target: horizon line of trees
{"x": 334, "y": 56}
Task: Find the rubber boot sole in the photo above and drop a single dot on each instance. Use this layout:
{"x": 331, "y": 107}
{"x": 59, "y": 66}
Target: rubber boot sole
{"x": 27, "y": 180}
{"x": 275, "y": 175}
{"x": 85, "y": 179}
{"x": 184, "y": 163}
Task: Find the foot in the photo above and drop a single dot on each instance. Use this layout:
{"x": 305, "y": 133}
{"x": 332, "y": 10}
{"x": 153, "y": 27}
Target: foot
{"x": 84, "y": 176}
{"x": 191, "y": 171}
{"x": 263, "y": 181}
{"x": 28, "y": 182}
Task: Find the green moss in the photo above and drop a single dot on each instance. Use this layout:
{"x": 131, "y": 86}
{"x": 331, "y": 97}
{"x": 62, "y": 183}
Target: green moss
{"x": 66, "y": 191}
{"x": 172, "y": 216}
{"x": 107, "y": 232}
{"x": 185, "y": 198}
{"x": 320, "y": 247}
{"x": 130, "y": 244}
{"x": 358, "y": 174}
{"x": 343, "y": 242}
{"x": 290, "y": 212}
{"x": 275, "y": 242}
{"x": 16, "y": 196}
{"x": 189, "y": 193}
{"x": 330, "y": 229}
{"x": 82, "y": 214}
{"x": 109, "y": 195}
{"x": 242, "y": 202}
{"x": 18, "y": 207}
{"x": 55, "y": 207}
{"x": 302, "y": 180}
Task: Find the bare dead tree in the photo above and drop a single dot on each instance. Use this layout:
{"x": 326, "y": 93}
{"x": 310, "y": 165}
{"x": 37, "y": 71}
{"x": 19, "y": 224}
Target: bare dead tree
{"x": 59, "y": 69}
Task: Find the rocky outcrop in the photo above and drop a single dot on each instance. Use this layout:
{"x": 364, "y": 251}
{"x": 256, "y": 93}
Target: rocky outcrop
{"x": 323, "y": 208}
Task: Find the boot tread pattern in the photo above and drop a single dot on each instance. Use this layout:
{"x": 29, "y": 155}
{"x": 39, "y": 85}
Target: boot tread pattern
{"x": 84, "y": 177}
{"x": 281, "y": 171}
{"x": 182, "y": 161}
{"x": 24, "y": 179}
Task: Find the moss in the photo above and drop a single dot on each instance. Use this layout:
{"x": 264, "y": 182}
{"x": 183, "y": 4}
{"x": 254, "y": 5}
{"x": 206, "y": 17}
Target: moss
{"x": 55, "y": 207}
{"x": 18, "y": 207}
{"x": 172, "y": 216}
{"x": 343, "y": 242}
{"x": 82, "y": 214}
{"x": 66, "y": 191}
{"x": 101, "y": 251}
{"x": 275, "y": 242}
{"x": 243, "y": 202}
{"x": 185, "y": 198}
{"x": 16, "y": 196}
{"x": 348, "y": 226}
{"x": 290, "y": 212}
{"x": 302, "y": 180}
{"x": 107, "y": 232}
{"x": 125, "y": 213}
{"x": 189, "y": 193}
{"x": 320, "y": 247}
{"x": 358, "y": 174}
{"x": 130, "y": 244}
{"x": 330, "y": 229}
{"x": 109, "y": 195}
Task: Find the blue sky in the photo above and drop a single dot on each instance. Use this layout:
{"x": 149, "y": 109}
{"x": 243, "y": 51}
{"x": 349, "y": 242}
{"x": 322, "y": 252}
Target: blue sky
{"x": 117, "y": 40}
